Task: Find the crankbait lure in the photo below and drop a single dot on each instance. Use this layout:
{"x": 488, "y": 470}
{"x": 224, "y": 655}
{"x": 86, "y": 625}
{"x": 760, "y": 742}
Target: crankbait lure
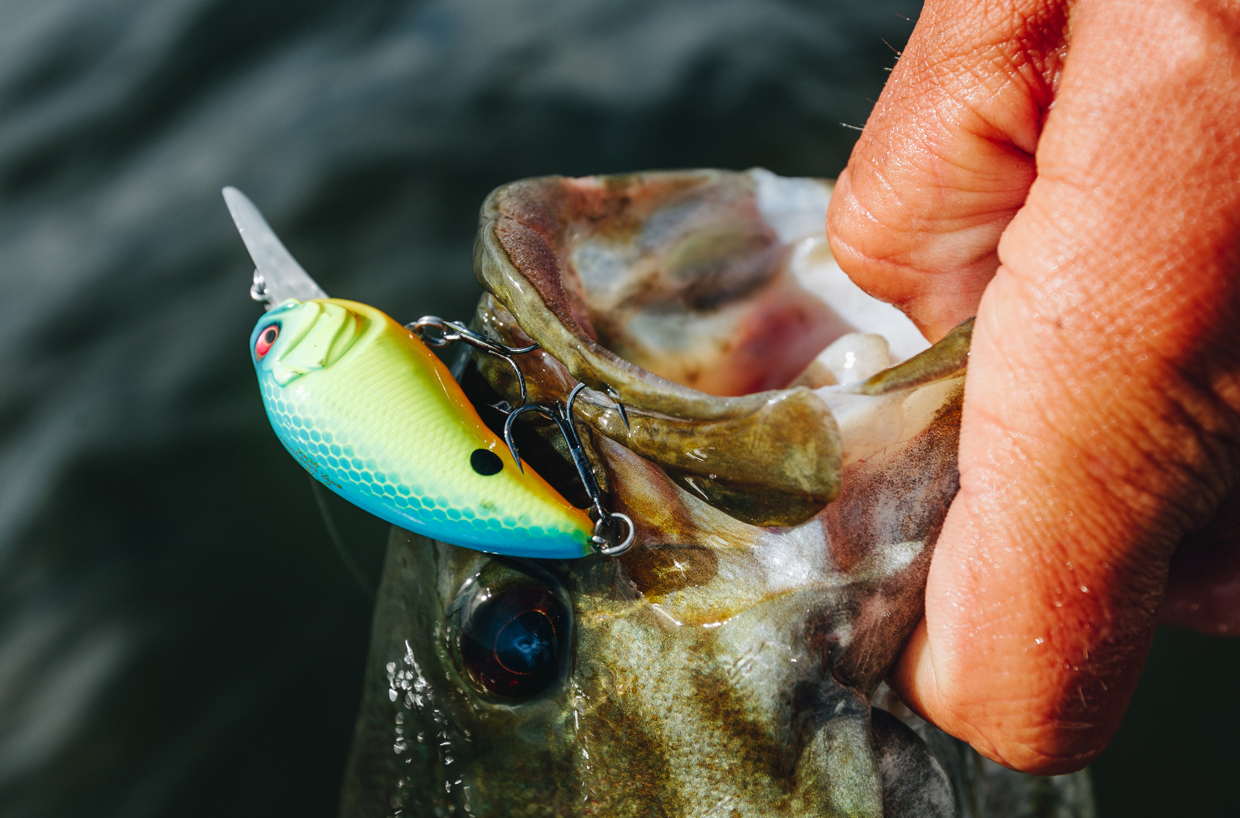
{"x": 373, "y": 414}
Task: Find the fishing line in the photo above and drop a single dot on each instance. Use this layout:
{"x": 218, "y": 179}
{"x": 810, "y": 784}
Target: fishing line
{"x": 333, "y": 533}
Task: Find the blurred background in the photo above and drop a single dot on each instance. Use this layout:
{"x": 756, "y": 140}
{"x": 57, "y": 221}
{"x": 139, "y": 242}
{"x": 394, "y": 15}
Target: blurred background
{"x": 178, "y": 633}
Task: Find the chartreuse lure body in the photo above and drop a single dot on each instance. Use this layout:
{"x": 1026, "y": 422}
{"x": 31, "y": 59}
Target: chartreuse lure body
{"x": 374, "y": 415}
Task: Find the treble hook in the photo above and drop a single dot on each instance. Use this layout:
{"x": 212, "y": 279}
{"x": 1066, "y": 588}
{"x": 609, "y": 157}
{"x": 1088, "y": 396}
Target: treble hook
{"x": 605, "y": 538}
{"x": 436, "y": 332}
{"x": 615, "y": 397}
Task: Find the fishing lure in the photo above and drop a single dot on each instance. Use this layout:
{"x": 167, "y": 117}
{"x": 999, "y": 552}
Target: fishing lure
{"x": 365, "y": 406}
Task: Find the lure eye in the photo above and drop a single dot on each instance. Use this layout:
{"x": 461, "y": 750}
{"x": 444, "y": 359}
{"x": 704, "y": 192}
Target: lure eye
{"x": 265, "y": 339}
{"x": 515, "y": 642}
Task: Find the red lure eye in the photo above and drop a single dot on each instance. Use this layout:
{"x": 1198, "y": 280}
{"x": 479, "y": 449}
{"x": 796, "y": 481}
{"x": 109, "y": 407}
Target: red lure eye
{"x": 265, "y": 339}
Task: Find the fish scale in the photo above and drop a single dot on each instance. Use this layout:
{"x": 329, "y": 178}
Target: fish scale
{"x": 371, "y": 413}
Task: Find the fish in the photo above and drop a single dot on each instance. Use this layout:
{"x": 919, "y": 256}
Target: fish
{"x": 369, "y": 411}
{"x": 732, "y": 662}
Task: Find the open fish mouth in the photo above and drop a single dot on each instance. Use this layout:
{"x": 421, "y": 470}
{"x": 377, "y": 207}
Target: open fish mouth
{"x": 787, "y": 472}
{"x": 695, "y": 300}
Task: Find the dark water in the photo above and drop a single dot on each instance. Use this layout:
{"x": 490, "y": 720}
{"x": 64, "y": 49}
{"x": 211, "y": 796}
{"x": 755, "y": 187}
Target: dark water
{"x": 178, "y": 634}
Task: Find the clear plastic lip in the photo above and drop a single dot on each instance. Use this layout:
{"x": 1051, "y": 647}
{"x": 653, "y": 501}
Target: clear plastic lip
{"x": 277, "y": 275}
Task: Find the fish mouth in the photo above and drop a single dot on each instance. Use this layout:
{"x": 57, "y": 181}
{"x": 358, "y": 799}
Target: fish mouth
{"x": 696, "y": 299}
{"x": 679, "y": 294}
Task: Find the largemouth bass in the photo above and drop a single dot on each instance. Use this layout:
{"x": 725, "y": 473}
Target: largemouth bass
{"x": 731, "y": 663}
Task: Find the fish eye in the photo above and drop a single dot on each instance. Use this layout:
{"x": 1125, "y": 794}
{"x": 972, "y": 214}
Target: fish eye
{"x": 486, "y": 462}
{"x": 265, "y": 339}
{"x": 512, "y": 637}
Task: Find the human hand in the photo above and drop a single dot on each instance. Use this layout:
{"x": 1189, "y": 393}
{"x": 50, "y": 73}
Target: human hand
{"x": 1070, "y": 172}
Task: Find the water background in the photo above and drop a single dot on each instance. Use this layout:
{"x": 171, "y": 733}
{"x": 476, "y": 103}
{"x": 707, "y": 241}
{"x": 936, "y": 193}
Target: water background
{"x": 178, "y": 635}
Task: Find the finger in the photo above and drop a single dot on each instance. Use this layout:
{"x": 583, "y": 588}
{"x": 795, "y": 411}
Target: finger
{"x": 1100, "y": 422}
{"x": 946, "y": 158}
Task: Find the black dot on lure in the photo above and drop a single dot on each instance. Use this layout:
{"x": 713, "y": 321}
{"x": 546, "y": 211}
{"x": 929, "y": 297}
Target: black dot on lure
{"x": 486, "y": 462}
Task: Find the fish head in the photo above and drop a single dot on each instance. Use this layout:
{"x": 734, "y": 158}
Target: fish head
{"x": 785, "y": 499}
{"x": 693, "y": 678}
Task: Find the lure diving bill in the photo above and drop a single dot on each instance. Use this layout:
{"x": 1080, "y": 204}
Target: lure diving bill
{"x": 365, "y": 406}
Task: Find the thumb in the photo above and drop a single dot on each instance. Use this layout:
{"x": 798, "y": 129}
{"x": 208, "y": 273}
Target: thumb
{"x": 1101, "y": 419}
{"x": 947, "y": 157}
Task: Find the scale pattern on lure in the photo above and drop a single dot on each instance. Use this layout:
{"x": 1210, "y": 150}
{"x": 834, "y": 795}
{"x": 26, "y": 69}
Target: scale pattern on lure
{"x": 373, "y": 414}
